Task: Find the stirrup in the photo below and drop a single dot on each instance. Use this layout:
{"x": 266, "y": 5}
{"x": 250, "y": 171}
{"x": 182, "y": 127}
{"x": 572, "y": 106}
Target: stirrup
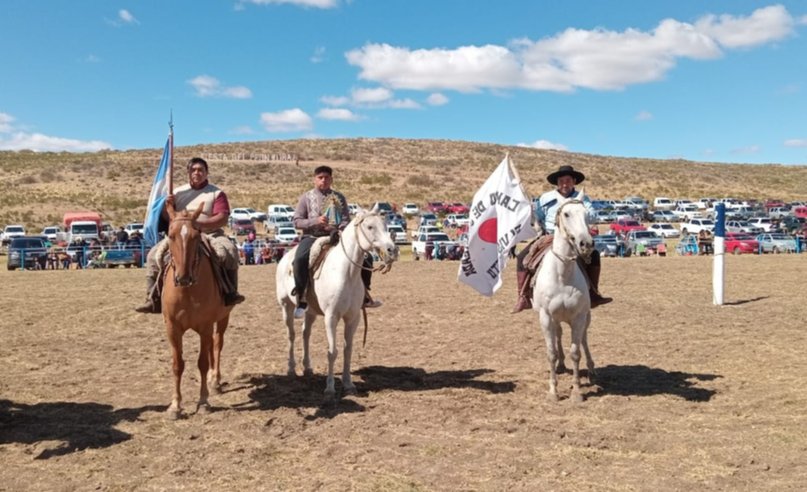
{"x": 233, "y": 298}
{"x": 149, "y": 307}
{"x": 372, "y": 303}
{"x": 299, "y": 312}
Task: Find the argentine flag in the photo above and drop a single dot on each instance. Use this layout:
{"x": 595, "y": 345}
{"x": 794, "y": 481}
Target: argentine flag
{"x": 159, "y": 190}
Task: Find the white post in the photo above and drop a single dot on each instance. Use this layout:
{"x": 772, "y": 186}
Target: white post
{"x": 719, "y": 265}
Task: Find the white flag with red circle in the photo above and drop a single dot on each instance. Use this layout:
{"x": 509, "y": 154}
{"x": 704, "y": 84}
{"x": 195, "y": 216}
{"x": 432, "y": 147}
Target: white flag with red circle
{"x": 500, "y": 218}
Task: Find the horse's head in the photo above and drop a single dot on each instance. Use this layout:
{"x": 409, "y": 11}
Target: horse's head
{"x": 372, "y": 234}
{"x": 183, "y": 242}
{"x": 571, "y": 224}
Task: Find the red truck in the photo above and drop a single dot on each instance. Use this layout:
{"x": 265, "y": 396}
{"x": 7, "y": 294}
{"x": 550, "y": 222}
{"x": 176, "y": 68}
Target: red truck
{"x": 85, "y": 225}
{"x": 624, "y": 226}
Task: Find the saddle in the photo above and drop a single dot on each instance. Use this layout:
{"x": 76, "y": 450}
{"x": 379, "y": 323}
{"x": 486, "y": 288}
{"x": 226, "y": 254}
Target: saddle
{"x": 206, "y": 249}
{"x": 538, "y": 248}
{"x": 319, "y": 251}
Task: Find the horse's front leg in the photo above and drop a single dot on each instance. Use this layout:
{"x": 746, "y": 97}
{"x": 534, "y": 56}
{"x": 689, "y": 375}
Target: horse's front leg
{"x": 561, "y": 368}
{"x": 310, "y": 317}
{"x": 549, "y": 328}
{"x": 578, "y": 333}
{"x": 330, "y": 330}
{"x": 288, "y": 318}
{"x": 592, "y": 373}
{"x": 350, "y": 330}
{"x": 174, "y": 335}
{"x": 214, "y": 378}
{"x": 205, "y": 348}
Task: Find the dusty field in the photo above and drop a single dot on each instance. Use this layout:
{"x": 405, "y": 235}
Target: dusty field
{"x": 451, "y": 389}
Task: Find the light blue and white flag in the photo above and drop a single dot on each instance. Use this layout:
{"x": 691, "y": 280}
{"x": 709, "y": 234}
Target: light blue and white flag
{"x": 159, "y": 190}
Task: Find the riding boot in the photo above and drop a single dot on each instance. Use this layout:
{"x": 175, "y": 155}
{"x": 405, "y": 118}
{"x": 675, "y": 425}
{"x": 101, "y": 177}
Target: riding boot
{"x": 524, "y": 292}
{"x": 597, "y": 299}
{"x": 366, "y": 278}
{"x": 233, "y": 298}
{"x": 152, "y": 304}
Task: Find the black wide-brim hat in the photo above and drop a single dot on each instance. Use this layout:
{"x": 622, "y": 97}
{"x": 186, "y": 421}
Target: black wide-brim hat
{"x": 566, "y": 171}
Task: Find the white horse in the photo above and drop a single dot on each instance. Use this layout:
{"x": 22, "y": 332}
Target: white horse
{"x": 561, "y": 294}
{"x": 336, "y": 292}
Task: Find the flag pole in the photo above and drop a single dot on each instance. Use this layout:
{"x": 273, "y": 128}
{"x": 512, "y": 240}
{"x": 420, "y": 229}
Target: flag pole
{"x": 171, "y": 151}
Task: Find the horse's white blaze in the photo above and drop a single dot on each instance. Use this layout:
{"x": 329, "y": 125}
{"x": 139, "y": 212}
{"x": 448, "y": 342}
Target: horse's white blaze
{"x": 561, "y": 293}
{"x": 183, "y": 231}
{"x": 339, "y": 291}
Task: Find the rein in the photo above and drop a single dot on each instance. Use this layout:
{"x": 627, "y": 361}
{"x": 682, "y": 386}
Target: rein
{"x": 196, "y": 260}
{"x": 561, "y": 227}
{"x": 365, "y": 251}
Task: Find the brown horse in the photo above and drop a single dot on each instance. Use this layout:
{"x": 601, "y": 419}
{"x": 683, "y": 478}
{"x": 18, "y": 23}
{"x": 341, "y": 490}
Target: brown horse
{"x": 192, "y": 300}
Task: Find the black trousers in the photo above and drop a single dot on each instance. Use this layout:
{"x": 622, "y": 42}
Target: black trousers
{"x": 301, "y": 270}
{"x": 595, "y": 258}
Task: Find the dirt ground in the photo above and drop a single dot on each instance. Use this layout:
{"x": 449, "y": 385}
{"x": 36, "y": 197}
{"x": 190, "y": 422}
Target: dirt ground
{"x": 451, "y": 388}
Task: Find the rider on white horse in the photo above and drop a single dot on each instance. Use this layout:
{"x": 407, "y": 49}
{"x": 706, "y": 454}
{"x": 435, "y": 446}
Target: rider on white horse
{"x": 565, "y": 179}
{"x": 322, "y": 211}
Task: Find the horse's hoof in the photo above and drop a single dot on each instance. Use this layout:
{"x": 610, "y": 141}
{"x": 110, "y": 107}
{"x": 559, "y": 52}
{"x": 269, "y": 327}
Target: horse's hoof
{"x": 291, "y": 373}
{"x": 329, "y": 397}
{"x": 350, "y": 390}
{"x": 309, "y": 373}
{"x": 173, "y": 413}
{"x": 561, "y": 369}
{"x": 203, "y": 409}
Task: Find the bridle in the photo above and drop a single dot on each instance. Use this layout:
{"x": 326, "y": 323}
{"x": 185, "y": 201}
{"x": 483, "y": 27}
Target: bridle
{"x": 386, "y": 266}
{"x": 561, "y": 227}
{"x": 194, "y": 270}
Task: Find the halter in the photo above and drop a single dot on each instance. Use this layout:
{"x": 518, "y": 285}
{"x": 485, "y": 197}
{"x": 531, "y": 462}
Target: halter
{"x": 562, "y": 228}
{"x": 363, "y": 250}
{"x": 196, "y": 260}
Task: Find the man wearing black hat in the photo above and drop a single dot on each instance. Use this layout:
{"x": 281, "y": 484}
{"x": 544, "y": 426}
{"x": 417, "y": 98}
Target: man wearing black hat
{"x": 565, "y": 179}
{"x": 322, "y": 211}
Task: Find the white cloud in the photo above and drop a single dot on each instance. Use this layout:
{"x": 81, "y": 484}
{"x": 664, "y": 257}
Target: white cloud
{"x": 793, "y": 142}
{"x": 595, "y": 59}
{"x": 643, "y": 116}
{"x": 802, "y": 21}
{"x": 403, "y": 104}
{"x": 340, "y": 114}
{"x": 207, "y": 86}
{"x": 319, "y": 55}
{"x": 44, "y": 143}
{"x": 750, "y": 149}
{"x": 436, "y": 99}
{"x": 15, "y": 139}
{"x": 290, "y": 120}
{"x": 242, "y": 130}
{"x": 544, "y": 144}
{"x": 319, "y": 4}
{"x": 5, "y": 122}
{"x": 762, "y": 26}
{"x": 126, "y": 17}
{"x": 371, "y": 96}
{"x": 335, "y": 100}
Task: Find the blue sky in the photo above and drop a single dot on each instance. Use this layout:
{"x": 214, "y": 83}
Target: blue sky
{"x": 722, "y": 81}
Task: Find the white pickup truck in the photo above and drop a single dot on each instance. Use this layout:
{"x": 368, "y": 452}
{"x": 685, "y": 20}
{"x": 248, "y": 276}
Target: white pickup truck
{"x": 696, "y": 225}
{"x": 10, "y": 232}
{"x": 423, "y": 241}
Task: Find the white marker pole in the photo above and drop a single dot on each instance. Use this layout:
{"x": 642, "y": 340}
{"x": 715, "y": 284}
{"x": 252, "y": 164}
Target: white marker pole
{"x": 719, "y": 265}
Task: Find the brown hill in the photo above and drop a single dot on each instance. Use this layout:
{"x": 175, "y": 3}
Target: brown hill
{"x": 39, "y": 187}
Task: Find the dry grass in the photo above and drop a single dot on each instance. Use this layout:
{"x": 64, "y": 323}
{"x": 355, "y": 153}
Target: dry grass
{"x": 40, "y": 187}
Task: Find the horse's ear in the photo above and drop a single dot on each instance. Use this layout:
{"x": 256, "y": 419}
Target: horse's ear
{"x": 169, "y": 207}
{"x": 198, "y": 211}
{"x": 582, "y": 192}
{"x": 375, "y": 208}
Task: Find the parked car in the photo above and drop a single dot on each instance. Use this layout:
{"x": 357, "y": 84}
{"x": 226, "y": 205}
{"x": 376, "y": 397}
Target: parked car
{"x": 410, "y": 209}
{"x": 779, "y": 212}
{"x": 436, "y": 207}
{"x": 276, "y": 221}
{"x": 776, "y": 242}
{"x": 255, "y": 215}
{"x": 604, "y": 216}
{"x": 686, "y": 211}
{"x": 133, "y": 227}
{"x": 458, "y": 208}
{"x": 27, "y": 252}
{"x": 741, "y": 226}
{"x": 242, "y": 227}
{"x": 458, "y": 220}
{"x": 399, "y": 234}
{"x": 764, "y": 223}
{"x": 287, "y": 235}
{"x": 649, "y": 239}
{"x": 12, "y": 231}
{"x": 663, "y": 203}
{"x": 664, "y": 229}
{"x": 664, "y": 216}
{"x": 790, "y": 224}
{"x": 609, "y": 245}
{"x": 696, "y": 225}
{"x": 425, "y": 229}
{"x": 426, "y": 241}
{"x": 427, "y": 218}
{"x": 239, "y": 214}
{"x": 54, "y": 233}
{"x": 280, "y": 209}
{"x": 383, "y": 207}
{"x": 741, "y": 243}
{"x": 623, "y": 226}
